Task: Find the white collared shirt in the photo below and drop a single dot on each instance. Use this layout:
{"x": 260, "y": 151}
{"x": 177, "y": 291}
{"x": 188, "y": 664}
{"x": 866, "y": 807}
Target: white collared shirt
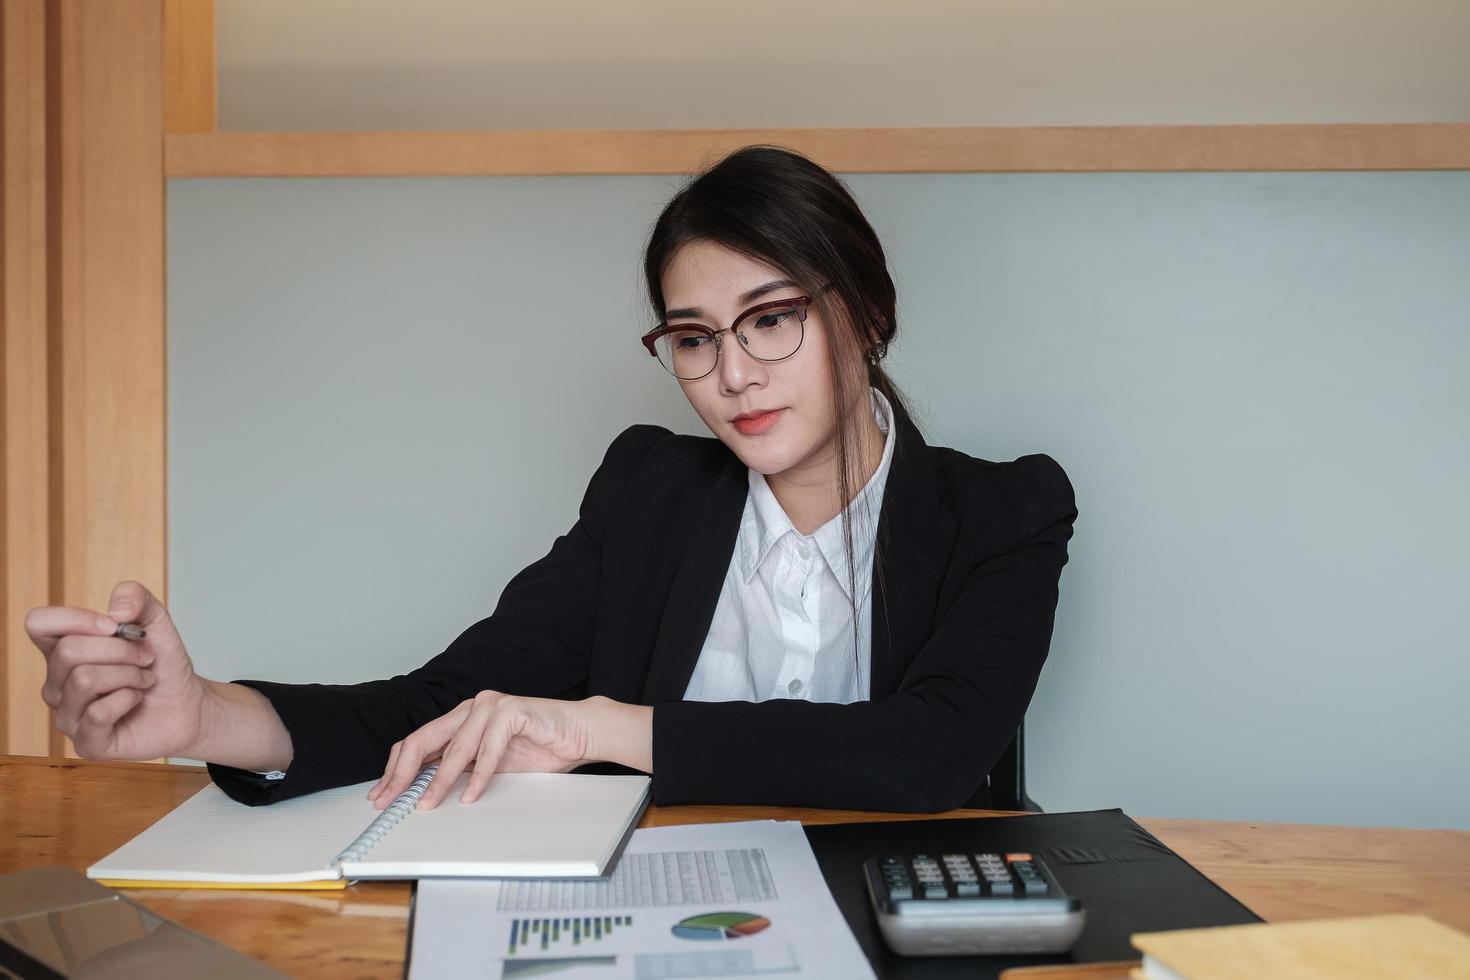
{"x": 783, "y": 624}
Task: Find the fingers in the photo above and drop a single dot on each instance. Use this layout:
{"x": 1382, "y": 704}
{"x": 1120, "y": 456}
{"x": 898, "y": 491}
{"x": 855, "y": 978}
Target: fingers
{"x": 94, "y": 733}
{"x": 74, "y": 651}
{"x": 413, "y": 751}
{"x": 387, "y": 771}
{"x": 46, "y": 625}
{"x": 459, "y": 751}
{"x": 492, "y": 747}
{"x": 73, "y": 631}
{"x": 132, "y": 603}
{"x": 90, "y": 682}
{"x": 487, "y": 716}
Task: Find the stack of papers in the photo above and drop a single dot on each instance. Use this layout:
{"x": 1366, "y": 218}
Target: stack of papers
{"x": 704, "y": 900}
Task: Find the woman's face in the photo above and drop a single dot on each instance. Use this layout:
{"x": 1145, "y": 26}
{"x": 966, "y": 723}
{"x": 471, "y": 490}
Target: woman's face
{"x": 713, "y": 285}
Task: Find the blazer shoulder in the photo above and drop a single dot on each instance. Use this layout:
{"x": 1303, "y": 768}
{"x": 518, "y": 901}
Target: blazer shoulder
{"x": 666, "y": 456}
{"x": 635, "y": 442}
{"x": 1029, "y": 493}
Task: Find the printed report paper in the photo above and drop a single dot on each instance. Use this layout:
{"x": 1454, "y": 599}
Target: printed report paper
{"x": 702, "y": 900}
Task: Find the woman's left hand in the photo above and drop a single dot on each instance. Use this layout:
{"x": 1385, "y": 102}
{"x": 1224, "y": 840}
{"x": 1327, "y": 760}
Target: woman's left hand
{"x": 494, "y": 732}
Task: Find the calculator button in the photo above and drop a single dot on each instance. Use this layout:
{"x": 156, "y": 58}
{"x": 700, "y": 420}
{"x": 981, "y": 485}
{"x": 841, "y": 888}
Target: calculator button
{"x": 900, "y": 893}
{"x": 1001, "y": 887}
{"x": 967, "y": 889}
{"x": 1031, "y": 880}
{"x": 936, "y": 891}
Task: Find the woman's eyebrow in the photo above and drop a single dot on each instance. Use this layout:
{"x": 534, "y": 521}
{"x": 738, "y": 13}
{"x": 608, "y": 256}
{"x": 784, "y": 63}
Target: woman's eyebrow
{"x": 745, "y": 298}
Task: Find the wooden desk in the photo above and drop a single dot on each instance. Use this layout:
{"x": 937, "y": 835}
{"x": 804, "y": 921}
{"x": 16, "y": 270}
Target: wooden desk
{"x": 71, "y": 812}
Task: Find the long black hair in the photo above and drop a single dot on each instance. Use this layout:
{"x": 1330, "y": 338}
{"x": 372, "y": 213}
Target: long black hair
{"x": 778, "y": 207}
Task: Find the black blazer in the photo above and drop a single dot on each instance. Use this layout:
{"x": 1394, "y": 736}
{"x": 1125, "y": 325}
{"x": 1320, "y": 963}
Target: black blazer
{"x": 966, "y": 566}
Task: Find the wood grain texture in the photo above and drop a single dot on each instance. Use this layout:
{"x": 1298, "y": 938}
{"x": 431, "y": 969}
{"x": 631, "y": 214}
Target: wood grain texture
{"x": 1285, "y": 872}
{"x": 106, "y": 239}
{"x": 25, "y": 511}
{"x": 73, "y": 812}
{"x": 1409, "y": 146}
{"x": 190, "y": 90}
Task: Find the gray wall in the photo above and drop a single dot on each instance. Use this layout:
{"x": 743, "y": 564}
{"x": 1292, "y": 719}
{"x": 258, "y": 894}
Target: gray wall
{"x": 386, "y": 396}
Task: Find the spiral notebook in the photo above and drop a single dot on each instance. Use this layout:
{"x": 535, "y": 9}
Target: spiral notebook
{"x": 526, "y": 825}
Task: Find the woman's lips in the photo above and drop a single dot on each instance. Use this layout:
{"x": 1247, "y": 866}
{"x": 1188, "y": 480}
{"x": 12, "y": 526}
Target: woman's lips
{"x": 760, "y": 423}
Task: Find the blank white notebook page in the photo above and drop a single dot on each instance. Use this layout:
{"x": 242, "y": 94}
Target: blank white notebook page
{"x": 536, "y": 824}
{"x": 210, "y": 837}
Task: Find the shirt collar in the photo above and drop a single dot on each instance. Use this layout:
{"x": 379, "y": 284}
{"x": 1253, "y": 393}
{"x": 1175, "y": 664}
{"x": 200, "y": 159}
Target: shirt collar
{"x": 764, "y": 523}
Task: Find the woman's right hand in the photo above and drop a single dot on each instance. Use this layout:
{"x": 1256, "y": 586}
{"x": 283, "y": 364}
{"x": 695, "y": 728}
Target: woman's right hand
{"x": 117, "y": 698}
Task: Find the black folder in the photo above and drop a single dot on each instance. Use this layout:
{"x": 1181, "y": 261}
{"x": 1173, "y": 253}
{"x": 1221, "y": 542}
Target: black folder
{"x": 1127, "y": 880}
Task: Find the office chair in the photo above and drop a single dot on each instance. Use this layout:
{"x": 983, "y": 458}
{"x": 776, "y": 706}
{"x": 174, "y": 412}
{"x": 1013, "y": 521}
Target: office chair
{"x": 1008, "y": 777}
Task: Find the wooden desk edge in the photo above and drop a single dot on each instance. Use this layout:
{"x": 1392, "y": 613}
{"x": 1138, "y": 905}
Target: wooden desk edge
{"x": 654, "y": 816}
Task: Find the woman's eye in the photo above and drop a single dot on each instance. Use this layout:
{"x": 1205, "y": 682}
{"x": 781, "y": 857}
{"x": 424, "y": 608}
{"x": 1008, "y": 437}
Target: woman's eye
{"x": 690, "y": 341}
{"x": 773, "y": 319}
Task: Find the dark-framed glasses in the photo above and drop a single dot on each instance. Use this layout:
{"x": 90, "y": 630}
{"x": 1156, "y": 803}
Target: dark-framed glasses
{"x": 769, "y": 331}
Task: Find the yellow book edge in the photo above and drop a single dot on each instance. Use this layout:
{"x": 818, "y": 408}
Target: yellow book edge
{"x": 297, "y": 886}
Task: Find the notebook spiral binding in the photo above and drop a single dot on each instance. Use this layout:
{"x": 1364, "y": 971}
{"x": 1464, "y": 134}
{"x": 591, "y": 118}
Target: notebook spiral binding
{"x": 391, "y": 816}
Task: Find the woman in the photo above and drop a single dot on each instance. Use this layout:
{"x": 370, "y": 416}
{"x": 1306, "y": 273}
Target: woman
{"x": 811, "y": 608}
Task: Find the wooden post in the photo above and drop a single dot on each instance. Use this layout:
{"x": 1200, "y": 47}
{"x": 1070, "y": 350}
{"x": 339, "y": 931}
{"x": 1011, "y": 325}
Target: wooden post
{"x": 25, "y": 511}
{"x": 189, "y": 89}
{"x": 84, "y": 450}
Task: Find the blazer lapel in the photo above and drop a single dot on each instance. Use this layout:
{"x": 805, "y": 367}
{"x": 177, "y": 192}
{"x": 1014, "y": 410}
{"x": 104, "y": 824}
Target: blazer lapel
{"x": 697, "y": 584}
{"x": 908, "y": 561}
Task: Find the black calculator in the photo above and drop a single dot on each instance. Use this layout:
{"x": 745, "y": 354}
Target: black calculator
{"x": 952, "y": 904}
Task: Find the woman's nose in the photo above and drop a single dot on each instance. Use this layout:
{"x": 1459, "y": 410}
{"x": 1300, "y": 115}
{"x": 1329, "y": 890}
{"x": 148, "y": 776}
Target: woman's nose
{"x": 738, "y": 370}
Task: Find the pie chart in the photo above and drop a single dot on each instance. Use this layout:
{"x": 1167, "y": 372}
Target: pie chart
{"x": 721, "y": 925}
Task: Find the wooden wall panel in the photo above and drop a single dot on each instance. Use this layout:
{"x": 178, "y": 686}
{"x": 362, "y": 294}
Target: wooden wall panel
{"x": 84, "y": 441}
{"x": 24, "y": 491}
{"x": 1409, "y": 146}
{"x": 109, "y": 224}
{"x": 190, "y": 95}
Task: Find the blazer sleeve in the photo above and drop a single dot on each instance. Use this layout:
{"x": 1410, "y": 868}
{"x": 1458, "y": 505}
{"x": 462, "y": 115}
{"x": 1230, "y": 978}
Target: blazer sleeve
{"x": 537, "y": 643}
{"x": 930, "y": 745}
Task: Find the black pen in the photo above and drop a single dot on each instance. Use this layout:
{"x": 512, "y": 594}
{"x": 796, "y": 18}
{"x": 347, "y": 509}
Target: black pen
{"x": 130, "y": 632}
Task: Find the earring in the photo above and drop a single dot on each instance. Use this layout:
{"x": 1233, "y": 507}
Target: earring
{"x": 876, "y": 352}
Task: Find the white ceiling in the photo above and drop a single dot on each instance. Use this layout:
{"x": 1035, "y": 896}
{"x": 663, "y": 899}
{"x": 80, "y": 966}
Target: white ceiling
{"x": 446, "y": 64}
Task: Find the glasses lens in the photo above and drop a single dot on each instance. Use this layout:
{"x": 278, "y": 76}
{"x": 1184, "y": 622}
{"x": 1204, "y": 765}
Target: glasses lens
{"x": 687, "y": 354}
{"x": 771, "y": 334}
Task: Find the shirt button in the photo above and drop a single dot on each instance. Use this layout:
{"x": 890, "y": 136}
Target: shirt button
{"x": 801, "y": 549}
{"x": 794, "y": 687}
